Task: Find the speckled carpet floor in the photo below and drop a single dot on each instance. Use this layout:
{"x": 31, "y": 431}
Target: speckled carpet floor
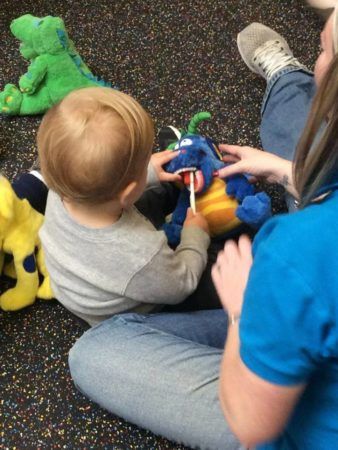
{"x": 176, "y": 57}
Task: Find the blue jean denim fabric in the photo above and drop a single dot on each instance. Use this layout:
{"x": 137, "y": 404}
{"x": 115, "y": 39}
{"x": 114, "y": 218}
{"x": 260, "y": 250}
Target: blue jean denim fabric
{"x": 161, "y": 371}
{"x": 285, "y": 108}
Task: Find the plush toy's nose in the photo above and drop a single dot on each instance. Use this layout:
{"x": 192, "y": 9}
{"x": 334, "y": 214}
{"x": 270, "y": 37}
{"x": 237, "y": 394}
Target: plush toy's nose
{"x": 21, "y": 27}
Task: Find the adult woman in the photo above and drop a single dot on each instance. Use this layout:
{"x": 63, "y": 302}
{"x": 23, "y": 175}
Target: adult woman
{"x": 280, "y": 362}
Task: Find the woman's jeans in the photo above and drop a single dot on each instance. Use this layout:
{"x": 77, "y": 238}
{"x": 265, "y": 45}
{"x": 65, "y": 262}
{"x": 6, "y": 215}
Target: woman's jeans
{"x": 161, "y": 371}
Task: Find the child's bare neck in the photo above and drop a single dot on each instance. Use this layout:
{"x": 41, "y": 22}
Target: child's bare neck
{"x": 94, "y": 215}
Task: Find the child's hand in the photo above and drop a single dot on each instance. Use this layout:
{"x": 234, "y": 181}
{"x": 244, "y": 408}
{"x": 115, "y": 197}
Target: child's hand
{"x": 230, "y": 274}
{"x": 158, "y": 160}
{"x": 196, "y": 220}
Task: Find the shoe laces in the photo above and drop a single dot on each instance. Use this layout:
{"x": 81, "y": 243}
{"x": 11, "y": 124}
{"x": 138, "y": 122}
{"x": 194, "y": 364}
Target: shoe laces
{"x": 273, "y": 56}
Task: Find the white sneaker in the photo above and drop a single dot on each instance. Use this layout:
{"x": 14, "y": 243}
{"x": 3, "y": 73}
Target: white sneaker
{"x": 265, "y": 51}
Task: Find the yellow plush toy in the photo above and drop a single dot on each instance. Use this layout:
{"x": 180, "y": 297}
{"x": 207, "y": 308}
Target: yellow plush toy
{"x": 19, "y": 242}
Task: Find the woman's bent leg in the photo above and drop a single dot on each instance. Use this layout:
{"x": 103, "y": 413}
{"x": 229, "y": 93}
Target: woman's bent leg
{"x": 285, "y": 109}
{"x": 160, "y": 372}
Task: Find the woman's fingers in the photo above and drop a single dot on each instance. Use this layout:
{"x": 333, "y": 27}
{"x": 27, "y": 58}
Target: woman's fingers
{"x": 239, "y": 159}
{"x": 252, "y": 179}
{"x": 244, "y": 248}
{"x": 229, "y": 158}
{"x": 216, "y": 278}
{"x": 232, "y": 169}
{"x": 236, "y": 150}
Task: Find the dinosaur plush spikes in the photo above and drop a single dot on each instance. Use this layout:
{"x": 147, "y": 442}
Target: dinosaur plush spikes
{"x": 226, "y": 204}
{"x": 55, "y": 67}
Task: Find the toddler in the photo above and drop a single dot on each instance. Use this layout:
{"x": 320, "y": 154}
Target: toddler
{"x": 103, "y": 256}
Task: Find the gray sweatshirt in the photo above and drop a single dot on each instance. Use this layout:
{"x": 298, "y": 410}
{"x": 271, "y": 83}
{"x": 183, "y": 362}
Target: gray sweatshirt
{"x": 126, "y": 267}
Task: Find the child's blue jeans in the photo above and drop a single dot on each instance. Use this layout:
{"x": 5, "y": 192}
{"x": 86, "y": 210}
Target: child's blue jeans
{"x": 161, "y": 371}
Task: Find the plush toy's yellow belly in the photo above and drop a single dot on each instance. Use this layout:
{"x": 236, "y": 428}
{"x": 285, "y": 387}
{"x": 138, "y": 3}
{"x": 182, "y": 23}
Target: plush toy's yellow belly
{"x": 218, "y": 208}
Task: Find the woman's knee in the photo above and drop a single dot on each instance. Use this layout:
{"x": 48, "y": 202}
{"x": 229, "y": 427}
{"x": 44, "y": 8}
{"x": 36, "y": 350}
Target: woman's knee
{"x": 97, "y": 348}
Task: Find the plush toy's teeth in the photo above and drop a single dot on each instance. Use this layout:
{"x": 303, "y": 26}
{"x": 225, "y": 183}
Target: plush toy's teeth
{"x": 185, "y": 169}
{"x": 199, "y": 181}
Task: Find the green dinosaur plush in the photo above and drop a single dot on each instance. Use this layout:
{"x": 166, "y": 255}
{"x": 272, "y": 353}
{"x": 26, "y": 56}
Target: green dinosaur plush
{"x": 55, "y": 67}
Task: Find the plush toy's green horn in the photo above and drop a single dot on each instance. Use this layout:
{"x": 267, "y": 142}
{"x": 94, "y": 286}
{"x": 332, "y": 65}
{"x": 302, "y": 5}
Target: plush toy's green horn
{"x": 196, "y": 120}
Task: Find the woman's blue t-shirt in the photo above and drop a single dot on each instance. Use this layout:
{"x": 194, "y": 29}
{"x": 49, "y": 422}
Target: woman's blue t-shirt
{"x": 289, "y": 323}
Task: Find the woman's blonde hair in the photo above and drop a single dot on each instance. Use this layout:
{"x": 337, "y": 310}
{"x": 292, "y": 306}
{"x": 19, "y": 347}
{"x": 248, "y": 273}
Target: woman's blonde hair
{"x": 94, "y": 143}
{"x": 315, "y": 163}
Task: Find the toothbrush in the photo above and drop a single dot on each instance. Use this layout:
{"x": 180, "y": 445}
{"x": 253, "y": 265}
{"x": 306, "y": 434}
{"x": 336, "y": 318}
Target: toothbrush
{"x": 192, "y": 193}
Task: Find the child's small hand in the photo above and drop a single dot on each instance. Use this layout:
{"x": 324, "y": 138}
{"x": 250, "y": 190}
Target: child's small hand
{"x": 196, "y": 220}
{"x": 158, "y": 160}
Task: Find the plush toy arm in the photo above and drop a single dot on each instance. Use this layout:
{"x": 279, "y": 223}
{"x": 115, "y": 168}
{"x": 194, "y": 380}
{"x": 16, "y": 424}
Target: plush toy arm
{"x": 174, "y": 228}
{"x": 239, "y": 187}
{"x": 30, "y": 81}
{"x": 173, "y": 233}
{"x": 183, "y": 204}
{"x": 255, "y": 209}
{"x": 24, "y": 292}
{"x": 45, "y": 290}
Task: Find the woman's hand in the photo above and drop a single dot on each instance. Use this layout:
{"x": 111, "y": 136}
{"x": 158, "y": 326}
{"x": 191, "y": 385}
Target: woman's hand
{"x": 158, "y": 160}
{"x": 230, "y": 274}
{"x": 255, "y": 162}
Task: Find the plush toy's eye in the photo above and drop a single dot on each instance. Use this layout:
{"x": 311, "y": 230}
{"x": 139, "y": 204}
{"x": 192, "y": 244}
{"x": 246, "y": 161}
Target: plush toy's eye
{"x": 186, "y": 142}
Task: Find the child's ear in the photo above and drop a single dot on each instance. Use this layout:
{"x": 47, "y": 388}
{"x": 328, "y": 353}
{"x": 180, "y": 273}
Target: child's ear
{"x": 127, "y": 196}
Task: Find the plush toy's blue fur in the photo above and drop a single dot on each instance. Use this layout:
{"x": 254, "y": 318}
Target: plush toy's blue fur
{"x": 200, "y": 153}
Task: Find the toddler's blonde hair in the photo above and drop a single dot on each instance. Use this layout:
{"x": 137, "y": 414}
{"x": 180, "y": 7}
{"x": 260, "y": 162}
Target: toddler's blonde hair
{"x": 93, "y": 144}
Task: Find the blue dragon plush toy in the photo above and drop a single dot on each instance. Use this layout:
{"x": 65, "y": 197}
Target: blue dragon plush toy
{"x": 226, "y": 204}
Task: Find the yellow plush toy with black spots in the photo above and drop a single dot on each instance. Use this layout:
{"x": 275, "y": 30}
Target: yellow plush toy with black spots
{"x": 21, "y": 254}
